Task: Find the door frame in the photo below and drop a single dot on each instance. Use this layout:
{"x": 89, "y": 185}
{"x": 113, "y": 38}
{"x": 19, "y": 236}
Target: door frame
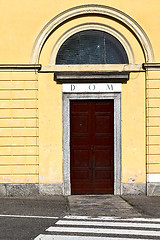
{"x": 67, "y": 97}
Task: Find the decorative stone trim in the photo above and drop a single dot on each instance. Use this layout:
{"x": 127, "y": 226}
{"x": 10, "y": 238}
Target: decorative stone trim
{"x": 151, "y": 66}
{"x": 66, "y": 136}
{"x": 153, "y": 178}
{"x": 91, "y": 10}
{"x": 92, "y": 68}
{"x": 20, "y": 67}
{"x": 107, "y": 68}
{"x": 88, "y": 77}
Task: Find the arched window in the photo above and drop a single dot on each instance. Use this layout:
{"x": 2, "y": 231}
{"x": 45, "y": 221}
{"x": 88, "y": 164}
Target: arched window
{"x": 92, "y": 47}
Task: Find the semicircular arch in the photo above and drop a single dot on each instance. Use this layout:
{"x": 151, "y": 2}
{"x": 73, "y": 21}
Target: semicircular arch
{"x": 92, "y": 26}
{"x": 93, "y": 9}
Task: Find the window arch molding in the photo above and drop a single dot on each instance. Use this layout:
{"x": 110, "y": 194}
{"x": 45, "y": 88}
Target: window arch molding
{"x": 92, "y": 26}
{"x": 93, "y": 9}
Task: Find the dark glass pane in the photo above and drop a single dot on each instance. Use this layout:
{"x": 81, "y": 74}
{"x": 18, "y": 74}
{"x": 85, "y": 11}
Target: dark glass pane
{"x": 69, "y": 51}
{"x": 91, "y": 47}
{"x": 114, "y": 51}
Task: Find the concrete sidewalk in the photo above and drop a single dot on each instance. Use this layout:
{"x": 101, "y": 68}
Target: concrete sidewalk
{"x": 101, "y": 205}
{"x": 83, "y": 205}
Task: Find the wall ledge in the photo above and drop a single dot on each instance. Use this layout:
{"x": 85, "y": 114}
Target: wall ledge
{"x": 151, "y": 66}
{"x": 20, "y": 67}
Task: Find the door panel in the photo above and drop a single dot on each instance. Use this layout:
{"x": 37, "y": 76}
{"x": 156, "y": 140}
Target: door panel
{"x": 82, "y": 158}
{"x": 92, "y": 146}
{"x": 102, "y": 158}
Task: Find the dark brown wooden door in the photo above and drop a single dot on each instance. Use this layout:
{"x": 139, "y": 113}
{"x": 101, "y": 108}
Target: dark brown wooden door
{"x": 92, "y": 146}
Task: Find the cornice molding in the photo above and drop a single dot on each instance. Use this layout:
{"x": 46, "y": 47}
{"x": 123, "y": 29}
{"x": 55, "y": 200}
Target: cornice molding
{"x": 20, "y": 67}
{"x": 87, "y": 69}
{"x": 151, "y": 66}
{"x": 91, "y": 77}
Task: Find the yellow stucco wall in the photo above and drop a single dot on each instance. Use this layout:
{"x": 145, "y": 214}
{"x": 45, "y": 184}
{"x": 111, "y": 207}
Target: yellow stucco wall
{"x": 153, "y": 123}
{"x": 31, "y": 103}
{"x": 50, "y": 130}
{"x": 21, "y": 22}
{"x": 133, "y": 129}
{"x": 19, "y": 128}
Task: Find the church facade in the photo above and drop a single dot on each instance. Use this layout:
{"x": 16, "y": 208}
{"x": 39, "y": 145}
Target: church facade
{"x": 79, "y": 97}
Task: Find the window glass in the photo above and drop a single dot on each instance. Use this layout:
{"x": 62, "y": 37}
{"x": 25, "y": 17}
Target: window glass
{"x": 91, "y": 47}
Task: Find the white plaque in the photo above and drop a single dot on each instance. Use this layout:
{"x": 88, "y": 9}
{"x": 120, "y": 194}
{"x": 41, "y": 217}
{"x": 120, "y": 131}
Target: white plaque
{"x": 92, "y": 87}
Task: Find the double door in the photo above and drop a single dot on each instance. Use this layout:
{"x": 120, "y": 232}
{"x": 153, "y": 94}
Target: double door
{"x": 92, "y": 146}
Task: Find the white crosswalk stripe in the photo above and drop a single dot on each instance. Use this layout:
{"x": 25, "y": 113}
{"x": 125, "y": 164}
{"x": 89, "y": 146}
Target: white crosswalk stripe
{"x": 108, "y": 224}
{"x": 109, "y": 228}
{"x": 64, "y": 237}
{"x": 114, "y": 219}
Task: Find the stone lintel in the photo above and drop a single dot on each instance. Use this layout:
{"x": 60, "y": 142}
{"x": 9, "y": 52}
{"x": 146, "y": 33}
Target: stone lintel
{"x": 91, "y": 77}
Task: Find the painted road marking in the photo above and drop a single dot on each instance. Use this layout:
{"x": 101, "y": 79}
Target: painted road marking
{"x": 104, "y": 231}
{"x": 73, "y": 227}
{"x": 108, "y": 224}
{"x": 64, "y": 237}
{"x": 101, "y": 218}
{"x": 90, "y": 218}
{"x": 25, "y": 216}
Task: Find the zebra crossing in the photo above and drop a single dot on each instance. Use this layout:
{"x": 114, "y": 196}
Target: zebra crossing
{"x": 101, "y": 228}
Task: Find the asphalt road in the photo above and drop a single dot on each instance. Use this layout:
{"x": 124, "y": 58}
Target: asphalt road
{"x": 15, "y": 220}
{"x": 24, "y": 219}
{"x": 22, "y": 228}
{"x": 147, "y": 206}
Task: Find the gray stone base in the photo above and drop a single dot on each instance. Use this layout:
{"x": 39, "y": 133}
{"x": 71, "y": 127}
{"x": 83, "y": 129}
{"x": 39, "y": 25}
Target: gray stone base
{"x": 134, "y": 188}
{"x": 153, "y": 189}
{"x": 16, "y": 190}
{"x": 26, "y": 190}
{"x": 50, "y": 189}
